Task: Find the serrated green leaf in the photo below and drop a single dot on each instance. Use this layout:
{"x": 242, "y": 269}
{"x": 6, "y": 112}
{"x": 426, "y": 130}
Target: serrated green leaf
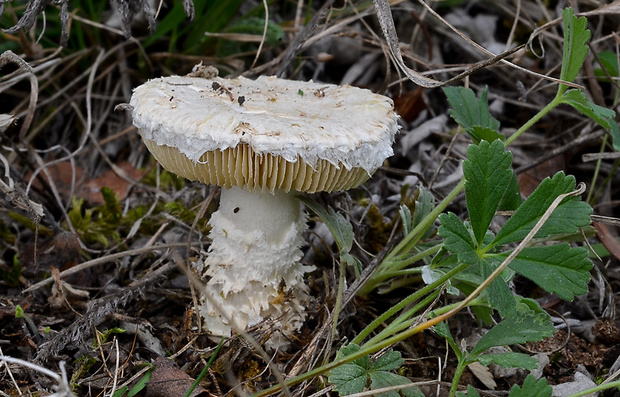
{"x": 523, "y": 327}
{"x": 381, "y": 379}
{"x": 571, "y": 214}
{"x": 471, "y": 112}
{"x": 577, "y": 99}
{"x": 406, "y": 218}
{"x": 557, "y": 268}
{"x": 576, "y": 37}
{"x": 349, "y": 379}
{"x": 424, "y": 204}
{"x": 351, "y": 348}
{"x": 509, "y": 360}
{"x": 340, "y": 228}
{"x": 480, "y": 134}
{"x": 532, "y": 388}
{"x": 389, "y": 361}
{"x": 457, "y": 237}
{"x": 443, "y": 330}
{"x": 488, "y": 174}
{"x": 499, "y": 294}
{"x": 512, "y": 198}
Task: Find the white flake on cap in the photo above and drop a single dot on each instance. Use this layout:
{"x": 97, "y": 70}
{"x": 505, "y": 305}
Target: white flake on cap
{"x": 343, "y": 125}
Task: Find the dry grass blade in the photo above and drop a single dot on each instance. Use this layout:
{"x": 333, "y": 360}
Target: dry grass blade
{"x": 10, "y": 56}
{"x": 384, "y": 14}
{"x": 63, "y": 388}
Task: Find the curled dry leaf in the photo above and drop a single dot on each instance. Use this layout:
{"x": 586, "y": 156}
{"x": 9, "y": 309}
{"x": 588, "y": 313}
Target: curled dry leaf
{"x": 63, "y": 293}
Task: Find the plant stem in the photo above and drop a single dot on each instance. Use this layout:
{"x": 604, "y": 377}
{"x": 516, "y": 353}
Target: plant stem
{"x": 596, "y": 171}
{"x": 401, "y": 264}
{"x": 460, "y": 368}
{"x": 411, "y": 239}
{"x": 411, "y": 298}
{"x": 601, "y": 387}
{"x": 206, "y": 368}
{"x": 543, "y": 112}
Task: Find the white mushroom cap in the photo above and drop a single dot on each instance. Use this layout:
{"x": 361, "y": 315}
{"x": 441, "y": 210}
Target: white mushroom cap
{"x": 265, "y": 134}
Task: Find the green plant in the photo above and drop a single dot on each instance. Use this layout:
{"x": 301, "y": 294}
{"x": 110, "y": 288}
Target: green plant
{"x": 137, "y": 387}
{"x": 355, "y": 376}
{"x": 468, "y": 256}
{"x": 531, "y": 388}
{"x": 99, "y": 224}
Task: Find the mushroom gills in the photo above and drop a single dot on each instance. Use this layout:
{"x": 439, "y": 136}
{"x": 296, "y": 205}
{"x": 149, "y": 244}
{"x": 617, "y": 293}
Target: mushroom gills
{"x": 242, "y": 166}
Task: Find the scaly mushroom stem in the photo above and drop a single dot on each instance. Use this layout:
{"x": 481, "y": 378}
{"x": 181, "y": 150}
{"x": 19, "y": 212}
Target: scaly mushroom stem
{"x": 253, "y": 264}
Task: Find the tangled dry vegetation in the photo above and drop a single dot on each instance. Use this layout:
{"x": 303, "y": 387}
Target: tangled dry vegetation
{"x": 95, "y": 238}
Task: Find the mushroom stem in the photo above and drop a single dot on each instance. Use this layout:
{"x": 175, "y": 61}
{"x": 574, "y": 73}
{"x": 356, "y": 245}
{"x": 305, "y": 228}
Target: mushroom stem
{"x": 253, "y": 265}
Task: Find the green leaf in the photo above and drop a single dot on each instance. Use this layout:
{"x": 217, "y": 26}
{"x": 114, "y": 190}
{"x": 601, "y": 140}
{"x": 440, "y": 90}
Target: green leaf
{"x": 524, "y": 327}
{"x": 471, "y": 392}
{"x": 532, "y": 388}
{"x": 609, "y": 63}
{"x": 601, "y": 115}
{"x": 509, "y": 360}
{"x": 340, "y": 228}
{"x": 424, "y": 204}
{"x": 615, "y": 135}
{"x": 406, "y": 219}
{"x": 381, "y": 379}
{"x": 457, "y": 237}
{"x": 512, "y": 198}
{"x": 255, "y": 26}
{"x": 576, "y": 37}
{"x": 488, "y": 174}
{"x": 443, "y": 330}
{"x": 120, "y": 392}
{"x": 349, "y": 379}
{"x": 353, "y": 377}
{"x": 557, "y": 268}
{"x": 577, "y": 99}
{"x": 499, "y": 294}
{"x": 352, "y": 348}
{"x": 479, "y": 134}
{"x": 571, "y": 214}
{"x": 141, "y": 384}
{"x": 472, "y": 113}
{"x": 389, "y": 361}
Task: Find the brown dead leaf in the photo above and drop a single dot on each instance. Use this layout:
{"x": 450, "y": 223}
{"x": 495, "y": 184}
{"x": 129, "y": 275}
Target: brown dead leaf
{"x": 608, "y": 238}
{"x": 410, "y": 104}
{"x": 62, "y": 250}
{"x": 168, "y": 380}
{"x": 89, "y": 189}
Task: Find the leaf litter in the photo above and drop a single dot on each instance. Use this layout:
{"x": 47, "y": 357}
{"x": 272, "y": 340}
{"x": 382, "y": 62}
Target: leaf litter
{"x": 128, "y": 233}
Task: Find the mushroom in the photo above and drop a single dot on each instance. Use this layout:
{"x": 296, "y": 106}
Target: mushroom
{"x": 262, "y": 141}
